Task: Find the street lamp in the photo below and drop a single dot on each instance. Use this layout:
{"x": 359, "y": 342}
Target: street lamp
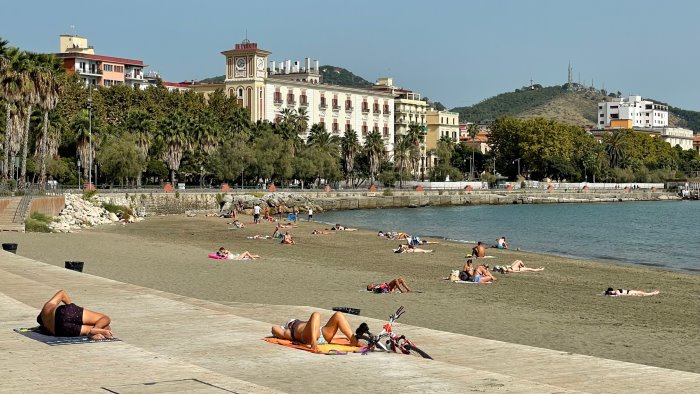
{"x": 78, "y": 174}
{"x": 518, "y": 160}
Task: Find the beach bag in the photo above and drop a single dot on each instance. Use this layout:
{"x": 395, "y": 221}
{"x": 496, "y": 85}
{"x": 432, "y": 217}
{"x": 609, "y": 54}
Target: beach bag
{"x": 454, "y": 276}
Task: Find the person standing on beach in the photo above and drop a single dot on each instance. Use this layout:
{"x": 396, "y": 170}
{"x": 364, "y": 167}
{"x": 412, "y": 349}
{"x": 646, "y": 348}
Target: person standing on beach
{"x": 256, "y": 213}
{"x": 311, "y": 213}
{"x": 280, "y": 210}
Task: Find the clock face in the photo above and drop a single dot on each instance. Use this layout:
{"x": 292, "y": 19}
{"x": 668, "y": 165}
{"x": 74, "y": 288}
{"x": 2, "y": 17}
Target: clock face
{"x": 261, "y": 64}
{"x": 240, "y": 63}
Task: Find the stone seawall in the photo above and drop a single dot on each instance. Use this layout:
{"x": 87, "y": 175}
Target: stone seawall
{"x": 177, "y": 203}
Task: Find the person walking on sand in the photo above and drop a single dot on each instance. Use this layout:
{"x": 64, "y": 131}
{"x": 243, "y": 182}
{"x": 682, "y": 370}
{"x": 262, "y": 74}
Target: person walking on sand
{"x": 256, "y": 213}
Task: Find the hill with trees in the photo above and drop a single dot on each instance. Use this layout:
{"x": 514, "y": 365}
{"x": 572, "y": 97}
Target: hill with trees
{"x": 575, "y": 105}
{"x": 331, "y": 75}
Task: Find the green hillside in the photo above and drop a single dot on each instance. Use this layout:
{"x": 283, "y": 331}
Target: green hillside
{"x": 577, "y": 105}
{"x": 331, "y": 75}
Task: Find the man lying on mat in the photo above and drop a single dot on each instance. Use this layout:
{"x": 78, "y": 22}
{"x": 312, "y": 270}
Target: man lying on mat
{"x": 311, "y": 333}
{"x": 70, "y": 320}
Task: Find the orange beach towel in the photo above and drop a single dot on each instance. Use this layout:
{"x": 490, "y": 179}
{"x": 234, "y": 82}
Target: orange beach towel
{"x": 338, "y": 345}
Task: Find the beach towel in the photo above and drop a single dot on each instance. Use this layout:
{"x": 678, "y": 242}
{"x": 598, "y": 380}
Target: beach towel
{"x": 339, "y": 346}
{"x": 468, "y": 281}
{"x": 37, "y": 335}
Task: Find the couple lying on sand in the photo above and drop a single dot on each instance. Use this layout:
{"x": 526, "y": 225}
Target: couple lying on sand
{"x": 225, "y": 254}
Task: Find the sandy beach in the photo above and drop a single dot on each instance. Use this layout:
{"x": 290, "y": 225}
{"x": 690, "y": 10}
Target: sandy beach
{"x": 560, "y": 308}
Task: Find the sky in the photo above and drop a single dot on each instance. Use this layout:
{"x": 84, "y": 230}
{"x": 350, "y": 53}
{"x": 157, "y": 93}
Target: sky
{"x": 455, "y": 52}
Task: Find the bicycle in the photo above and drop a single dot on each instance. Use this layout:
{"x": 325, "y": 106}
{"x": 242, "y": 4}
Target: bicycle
{"x": 387, "y": 340}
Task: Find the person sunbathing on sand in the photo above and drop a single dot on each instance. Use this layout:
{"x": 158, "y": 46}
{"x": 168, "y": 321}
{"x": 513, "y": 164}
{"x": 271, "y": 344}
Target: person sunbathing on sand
{"x": 246, "y": 255}
{"x": 479, "y": 250}
{"x": 316, "y": 232}
{"x": 404, "y": 248}
{"x": 340, "y": 227}
{"x": 517, "y": 266}
{"x": 287, "y": 239}
{"x": 390, "y": 287}
{"x": 260, "y": 236}
{"x": 311, "y": 333}
{"x": 478, "y": 274}
{"x": 623, "y": 292}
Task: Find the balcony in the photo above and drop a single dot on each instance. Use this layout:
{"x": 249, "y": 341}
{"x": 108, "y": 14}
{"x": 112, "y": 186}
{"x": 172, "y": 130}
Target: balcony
{"x": 84, "y": 71}
{"x": 365, "y": 110}
{"x": 348, "y": 108}
{"x": 137, "y": 77}
{"x": 291, "y": 102}
{"x": 336, "y": 107}
{"x": 377, "y": 111}
{"x": 322, "y": 106}
{"x": 277, "y": 101}
{"x": 387, "y": 111}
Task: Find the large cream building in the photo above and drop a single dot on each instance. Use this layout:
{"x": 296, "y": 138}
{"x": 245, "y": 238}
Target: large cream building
{"x": 267, "y": 87}
{"x": 440, "y": 124}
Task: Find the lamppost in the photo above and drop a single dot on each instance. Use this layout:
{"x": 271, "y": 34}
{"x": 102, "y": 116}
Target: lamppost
{"x": 79, "y": 174}
{"x": 518, "y": 160}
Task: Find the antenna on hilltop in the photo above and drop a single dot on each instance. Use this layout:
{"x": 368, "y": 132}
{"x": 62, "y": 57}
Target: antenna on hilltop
{"x": 570, "y": 79}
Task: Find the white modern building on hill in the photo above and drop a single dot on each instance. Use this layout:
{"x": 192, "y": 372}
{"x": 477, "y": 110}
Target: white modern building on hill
{"x": 642, "y": 115}
{"x": 631, "y": 112}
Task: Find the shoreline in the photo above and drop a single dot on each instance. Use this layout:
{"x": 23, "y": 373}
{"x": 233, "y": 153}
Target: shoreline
{"x": 560, "y": 308}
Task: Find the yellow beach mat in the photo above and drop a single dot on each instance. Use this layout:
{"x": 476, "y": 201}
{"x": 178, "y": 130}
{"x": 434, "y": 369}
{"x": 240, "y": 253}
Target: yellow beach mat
{"x": 339, "y": 345}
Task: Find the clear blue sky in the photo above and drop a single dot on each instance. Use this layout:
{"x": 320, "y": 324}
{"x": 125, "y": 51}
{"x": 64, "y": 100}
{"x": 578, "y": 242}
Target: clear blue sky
{"x": 455, "y": 52}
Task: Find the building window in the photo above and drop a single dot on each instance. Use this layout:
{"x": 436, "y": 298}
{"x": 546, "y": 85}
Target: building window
{"x": 290, "y": 98}
{"x": 335, "y": 126}
{"x": 348, "y": 105}
{"x": 322, "y": 123}
{"x": 323, "y": 102}
{"x": 335, "y": 103}
{"x": 364, "y": 129}
{"x": 386, "y": 132}
{"x": 108, "y": 67}
{"x": 348, "y": 126}
{"x": 303, "y": 99}
{"x": 278, "y": 97}
{"x": 365, "y": 106}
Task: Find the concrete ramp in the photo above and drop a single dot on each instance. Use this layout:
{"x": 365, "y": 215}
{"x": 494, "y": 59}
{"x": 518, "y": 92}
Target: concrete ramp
{"x": 173, "y": 343}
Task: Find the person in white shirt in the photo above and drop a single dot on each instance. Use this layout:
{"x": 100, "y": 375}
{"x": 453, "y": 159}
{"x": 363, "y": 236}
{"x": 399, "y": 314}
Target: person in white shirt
{"x": 311, "y": 213}
{"x": 256, "y": 213}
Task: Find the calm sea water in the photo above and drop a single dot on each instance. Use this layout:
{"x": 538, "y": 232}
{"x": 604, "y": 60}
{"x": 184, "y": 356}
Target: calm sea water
{"x": 662, "y": 234}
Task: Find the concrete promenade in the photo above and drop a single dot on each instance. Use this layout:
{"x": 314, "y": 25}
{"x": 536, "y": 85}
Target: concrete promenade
{"x": 173, "y": 343}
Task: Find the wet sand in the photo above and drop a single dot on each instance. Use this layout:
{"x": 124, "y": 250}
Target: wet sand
{"x": 560, "y": 308}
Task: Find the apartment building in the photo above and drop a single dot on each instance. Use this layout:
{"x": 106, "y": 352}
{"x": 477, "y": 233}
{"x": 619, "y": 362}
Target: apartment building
{"x": 266, "y": 88}
{"x": 440, "y": 124}
{"x": 631, "y": 112}
{"x": 99, "y": 70}
{"x": 641, "y": 115}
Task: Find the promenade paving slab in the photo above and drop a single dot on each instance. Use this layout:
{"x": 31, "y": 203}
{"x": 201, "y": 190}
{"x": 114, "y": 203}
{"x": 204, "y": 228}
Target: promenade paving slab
{"x": 177, "y": 343}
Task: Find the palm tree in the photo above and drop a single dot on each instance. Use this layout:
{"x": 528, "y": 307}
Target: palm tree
{"x": 81, "y": 128}
{"x": 49, "y": 86}
{"x": 320, "y": 138}
{"x": 302, "y": 121}
{"x": 374, "y": 146}
{"x": 13, "y": 81}
{"x": 140, "y": 126}
{"x": 173, "y": 134}
{"x": 349, "y": 148}
{"x": 402, "y": 150}
{"x": 414, "y": 137}
{"x": 615, "y": 145}
{"x": 33, "y": 76}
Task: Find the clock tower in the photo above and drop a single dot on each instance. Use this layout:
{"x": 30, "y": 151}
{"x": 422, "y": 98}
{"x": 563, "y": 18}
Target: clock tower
{"x": 246, "y": 71}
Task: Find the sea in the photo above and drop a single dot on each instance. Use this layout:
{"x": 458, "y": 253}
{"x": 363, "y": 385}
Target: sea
{"x": 664, "y": 234}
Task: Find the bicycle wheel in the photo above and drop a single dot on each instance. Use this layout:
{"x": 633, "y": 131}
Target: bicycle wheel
{"x": 413, "y": 348}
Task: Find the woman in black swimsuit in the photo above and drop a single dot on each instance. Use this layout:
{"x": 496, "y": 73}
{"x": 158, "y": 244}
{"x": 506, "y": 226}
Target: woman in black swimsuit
{"x": 623, "y": 292}
{"x": 62, "y": 318}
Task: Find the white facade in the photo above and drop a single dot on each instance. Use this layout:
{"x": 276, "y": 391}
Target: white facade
{"x": 677, "y": 136}
{"x": 641, "y": 113}
{"x": 337, "y": 108}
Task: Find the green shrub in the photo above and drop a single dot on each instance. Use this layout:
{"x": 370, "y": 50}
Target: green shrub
{"x": 126, "y": 212}
{"x": 40, "y": 217}
{"x": 37, "y": 223}
{"x": 88, "y": 194}
{"x": 388, "y": 192}
{"x": 219, "y": 198}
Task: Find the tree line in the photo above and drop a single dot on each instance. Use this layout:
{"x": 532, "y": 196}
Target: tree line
{"x": 133, "y": 136}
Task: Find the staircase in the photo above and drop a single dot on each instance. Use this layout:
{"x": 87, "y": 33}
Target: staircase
{"x": 8, "y": 211}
